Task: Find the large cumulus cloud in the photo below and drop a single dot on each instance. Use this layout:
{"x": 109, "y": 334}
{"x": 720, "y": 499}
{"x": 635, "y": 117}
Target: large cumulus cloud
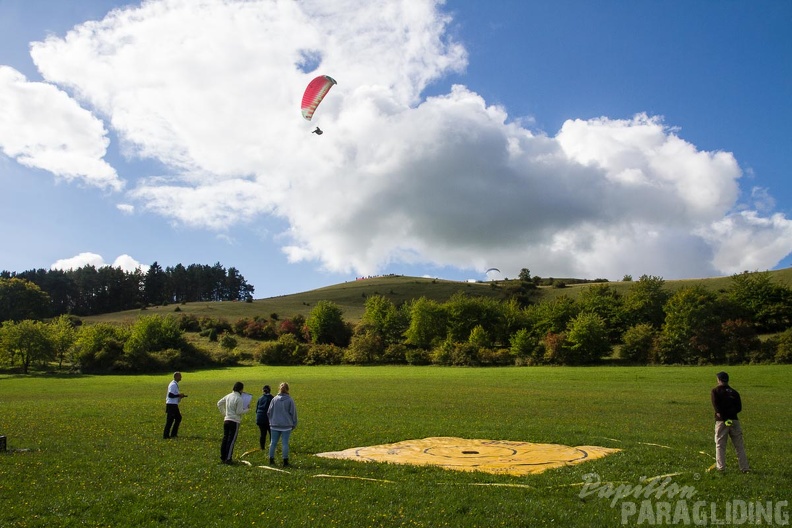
{"x": 211, "y": 89}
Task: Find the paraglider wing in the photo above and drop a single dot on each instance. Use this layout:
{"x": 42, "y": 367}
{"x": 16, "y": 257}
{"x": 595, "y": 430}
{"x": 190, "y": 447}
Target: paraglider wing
{"x": 492, "y": 269}
{"x": 314, "y": 94}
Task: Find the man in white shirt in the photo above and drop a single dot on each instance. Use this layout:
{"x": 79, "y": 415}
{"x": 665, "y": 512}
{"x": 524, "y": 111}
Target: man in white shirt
{"x": 173, "y": 416}
{"x": 232, "y": 407}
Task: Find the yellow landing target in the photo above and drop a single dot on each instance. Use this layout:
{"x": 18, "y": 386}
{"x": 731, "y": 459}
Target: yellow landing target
{"x": 491, "y": 456}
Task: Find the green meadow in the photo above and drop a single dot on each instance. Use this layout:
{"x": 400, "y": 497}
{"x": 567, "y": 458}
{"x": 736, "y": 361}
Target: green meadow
{"x": 87, "y": 450}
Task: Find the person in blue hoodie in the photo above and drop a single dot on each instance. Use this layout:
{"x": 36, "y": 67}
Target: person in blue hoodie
{"x": 282, "y": 414}
{"x": 262, "y": 420}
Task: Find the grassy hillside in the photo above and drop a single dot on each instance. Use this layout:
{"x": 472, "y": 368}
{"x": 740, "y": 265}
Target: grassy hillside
{"x": 351, "y": 296}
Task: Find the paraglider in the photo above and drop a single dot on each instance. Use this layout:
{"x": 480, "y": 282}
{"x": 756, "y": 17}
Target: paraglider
{"x": 318, "y": 131}
{"x": 314, "y": 93}
{"x": 492, "y": 269}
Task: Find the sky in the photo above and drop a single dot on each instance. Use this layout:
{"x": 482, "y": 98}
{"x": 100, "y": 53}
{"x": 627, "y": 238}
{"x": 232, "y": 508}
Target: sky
{"x": 573, "y": 138}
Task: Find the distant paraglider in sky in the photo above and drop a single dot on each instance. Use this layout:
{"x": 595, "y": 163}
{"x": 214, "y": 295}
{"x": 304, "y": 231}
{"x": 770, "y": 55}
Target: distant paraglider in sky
{"x": 314, "y": 93}
{"x": 318, "y": 131}
{"x": 492, "y": 269}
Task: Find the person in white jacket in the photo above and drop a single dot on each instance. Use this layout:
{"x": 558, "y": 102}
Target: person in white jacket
{"x": 232, "y": 407}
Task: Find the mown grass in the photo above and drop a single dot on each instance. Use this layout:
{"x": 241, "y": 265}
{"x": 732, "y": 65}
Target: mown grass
{"x": 87, "y": 450}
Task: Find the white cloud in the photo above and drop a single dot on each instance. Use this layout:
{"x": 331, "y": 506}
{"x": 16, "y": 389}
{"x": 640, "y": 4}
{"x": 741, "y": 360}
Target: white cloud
{"x": 78, "y": 261}
{"x": 212, "y": 91}
{"x": 126, "y": 208}
{"x": 124, "y": 262}
{"x": 746, "y": 241}
{"x": 128, "y": 264}
{"x": 42, "y": 127}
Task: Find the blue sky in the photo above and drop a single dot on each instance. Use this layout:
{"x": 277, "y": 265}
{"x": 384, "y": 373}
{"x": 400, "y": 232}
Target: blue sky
{"x": 574, "y": 138}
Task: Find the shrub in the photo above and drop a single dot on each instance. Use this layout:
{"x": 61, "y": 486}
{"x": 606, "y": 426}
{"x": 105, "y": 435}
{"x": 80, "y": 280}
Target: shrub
{"x": 588, "y": 339}
{"x": 323, "y": 355}
{"x": 765, "y": 352}
{"x": 326, "y": 324}
{"x": 228, "y": 342}
{"x": 395, "y": 354}
{"x": 637, "y": 344}
{"x": 153, "y": 333}
{"x": 287, "y": 350}
{"x": 189, "y": 323}
{"x": 458, "y": 354}
{"x": 740, "y": 340}
{"x": 525, "y": 347}
{"x": 98, "y": 347}
{"x": 555, "y": 348}
{"x": 495, "y": 357}
{"x": 365, "y": 348}
{"x": 417, "y": 356}
{"x": 784, "y": 347}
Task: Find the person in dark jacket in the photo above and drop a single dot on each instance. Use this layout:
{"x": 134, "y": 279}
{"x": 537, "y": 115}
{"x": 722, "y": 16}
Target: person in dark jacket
{"x": 727, "y": 403}
{"x": 261, "y": 416}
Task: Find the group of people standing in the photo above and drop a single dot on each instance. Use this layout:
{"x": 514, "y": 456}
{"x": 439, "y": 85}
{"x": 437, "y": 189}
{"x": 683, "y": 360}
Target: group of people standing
{"x": 275, "y": 415}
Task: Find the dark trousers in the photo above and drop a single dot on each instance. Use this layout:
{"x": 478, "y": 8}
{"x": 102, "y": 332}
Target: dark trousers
{"x": 230, "y": 432}
{"x": 173, "y": 418}
{"x": 264, "y": 428}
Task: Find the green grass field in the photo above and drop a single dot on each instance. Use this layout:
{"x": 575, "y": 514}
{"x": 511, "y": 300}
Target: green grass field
{"x": 87, "y": 450}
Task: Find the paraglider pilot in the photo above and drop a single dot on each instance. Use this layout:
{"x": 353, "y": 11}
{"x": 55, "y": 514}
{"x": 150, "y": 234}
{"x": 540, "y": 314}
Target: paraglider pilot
{"x": 318, "y": 131}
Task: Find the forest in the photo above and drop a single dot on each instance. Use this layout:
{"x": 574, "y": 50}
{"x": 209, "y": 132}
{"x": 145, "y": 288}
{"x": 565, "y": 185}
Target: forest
{"x": 748, "y": 322}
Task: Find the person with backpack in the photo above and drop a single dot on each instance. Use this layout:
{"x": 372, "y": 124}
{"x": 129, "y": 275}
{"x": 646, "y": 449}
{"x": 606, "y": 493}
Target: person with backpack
{"x": 727, "y": 403}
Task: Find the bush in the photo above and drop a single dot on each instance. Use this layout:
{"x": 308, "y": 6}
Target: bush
{"x": 365, "y": 348}
{"x": 525, "y": 348}
{"x": 98, "y": 347}
{"x": 228, "y": 342}
{"x": 765, "y": 352}
{"x": 173, "y": 359}
{"x": 417, "y": 356}
{"x": 326, "y": 325}
{"x": 323, "y": 355}
{"x": 495, "y": 357}
{"x": 637, "y": 344}
{"x": 784, "y": 347}
{"x": 588, "y": 339}
{"x": 457, "y": 354}
{"x": 395, "y": 354}
{"x": 740, "y": 340}
{"x": 555, "y": 348}
{"x": 151, "y": 334}
{"x": 189, "y": 323}
{"x": 287, "y": 350}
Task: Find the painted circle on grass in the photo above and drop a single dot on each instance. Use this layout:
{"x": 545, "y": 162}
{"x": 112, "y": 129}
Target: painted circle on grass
{"x": 471, "y": 452}
{"x": 493, "y": 456}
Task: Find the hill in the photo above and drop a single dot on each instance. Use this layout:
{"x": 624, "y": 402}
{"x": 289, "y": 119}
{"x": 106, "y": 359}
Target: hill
{"x": 351, "y": 296}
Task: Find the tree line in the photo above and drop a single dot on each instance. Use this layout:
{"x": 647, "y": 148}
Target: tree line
{"x": 91, "y": 291}
{"x": 749, "y": 322}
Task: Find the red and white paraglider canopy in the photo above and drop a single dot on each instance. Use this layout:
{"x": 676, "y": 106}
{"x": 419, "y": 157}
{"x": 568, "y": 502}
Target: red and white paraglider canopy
{"x": 314, "y": 94}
